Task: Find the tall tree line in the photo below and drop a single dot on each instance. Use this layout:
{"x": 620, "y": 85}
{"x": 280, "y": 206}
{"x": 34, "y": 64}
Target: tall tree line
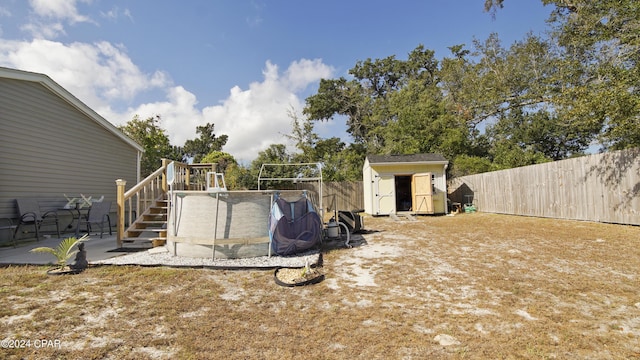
{"x": 485, "y": 106}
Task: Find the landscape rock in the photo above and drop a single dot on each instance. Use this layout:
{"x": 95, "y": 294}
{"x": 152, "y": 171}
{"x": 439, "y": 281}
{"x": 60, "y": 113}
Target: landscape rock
{"x": 446, "y": 340}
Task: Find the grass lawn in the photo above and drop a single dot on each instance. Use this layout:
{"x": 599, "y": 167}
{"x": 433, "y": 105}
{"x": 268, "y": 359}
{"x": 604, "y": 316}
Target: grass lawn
{"x": 472, "y": 286}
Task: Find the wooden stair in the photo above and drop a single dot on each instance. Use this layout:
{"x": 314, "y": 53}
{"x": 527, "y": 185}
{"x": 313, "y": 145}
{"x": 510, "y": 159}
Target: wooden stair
{"x": 151, "y": 227}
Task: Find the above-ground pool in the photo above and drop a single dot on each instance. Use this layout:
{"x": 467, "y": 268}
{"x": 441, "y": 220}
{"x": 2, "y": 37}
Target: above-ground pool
{"x": 228, "y": 224}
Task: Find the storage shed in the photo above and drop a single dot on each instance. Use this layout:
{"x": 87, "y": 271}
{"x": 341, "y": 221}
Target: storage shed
{"x": 405, "y": 183}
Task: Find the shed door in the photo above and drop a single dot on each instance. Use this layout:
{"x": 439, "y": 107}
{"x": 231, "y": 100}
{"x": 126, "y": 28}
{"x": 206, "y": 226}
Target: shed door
{"x": 422, "y": 191}
{"x": 384, "y": 199}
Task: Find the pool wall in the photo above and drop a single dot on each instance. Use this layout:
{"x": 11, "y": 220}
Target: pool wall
{"x": 230, "y": 224}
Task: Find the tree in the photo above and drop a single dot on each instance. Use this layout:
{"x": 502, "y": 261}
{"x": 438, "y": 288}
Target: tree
{"x": 467, "y": 165}
{"x": 597, "y": 75}
{"x": 313, "y": 149}
{"x": 304, "y": 138}
{"x": 367, "y": 101}
{"x": 513, "y": 92}
{"x": 334, "y": 156}
{"x": 490, "y": 106}
{"x": 196, "y": 149}
{"x": 492, "y": 6}
{"x": 341, "y": 97}
{"x": 222, "y": 160}
{"x": 238, "y": 177}
{"x": 274, "y": 154}
{"x": 420, "y": 110}
{"x": 347, "y": 164}
{"x": 154, "y": 141}
{"x": 602, "y": 36}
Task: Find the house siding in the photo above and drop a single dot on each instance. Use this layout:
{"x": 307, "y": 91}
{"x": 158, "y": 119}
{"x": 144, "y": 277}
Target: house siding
{"x": 48, "y": 148}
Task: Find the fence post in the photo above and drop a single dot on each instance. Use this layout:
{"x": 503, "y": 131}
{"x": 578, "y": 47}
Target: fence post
{"x": 120, "y": 184}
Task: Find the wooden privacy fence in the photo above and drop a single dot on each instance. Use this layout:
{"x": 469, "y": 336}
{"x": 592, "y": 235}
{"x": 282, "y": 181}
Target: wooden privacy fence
{"x": 602, "y": 187}
{"x": 342, "y": 195}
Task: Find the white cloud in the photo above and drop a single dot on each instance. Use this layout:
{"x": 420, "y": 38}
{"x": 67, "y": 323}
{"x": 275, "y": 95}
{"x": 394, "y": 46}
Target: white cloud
{"x": 304, "y": 72}
{"x": 103, "y": 76}
{"x": 253, "y": 118}
{"x": 48, "y": 18}
{"x": 59, "y": 9}
{"x": 4, "y": 12}
{"x": 41, "y": 30}
{"x": 115, "y": 13}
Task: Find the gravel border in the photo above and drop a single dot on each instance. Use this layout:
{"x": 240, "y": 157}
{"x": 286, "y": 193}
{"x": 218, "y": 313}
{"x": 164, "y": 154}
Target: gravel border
{"x": 157, "y": 257}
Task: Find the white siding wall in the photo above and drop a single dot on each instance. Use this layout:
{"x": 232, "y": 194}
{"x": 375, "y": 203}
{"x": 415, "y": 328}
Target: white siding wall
{"x": 49, "y": 148}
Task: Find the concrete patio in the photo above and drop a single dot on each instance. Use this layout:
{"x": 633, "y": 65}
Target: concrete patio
{"x": 97, "y": 249}
{"x": 105, "y": 251}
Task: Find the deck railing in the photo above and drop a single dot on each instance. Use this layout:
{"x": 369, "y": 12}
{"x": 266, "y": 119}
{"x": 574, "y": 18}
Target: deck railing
{"x": 134, "y": 202}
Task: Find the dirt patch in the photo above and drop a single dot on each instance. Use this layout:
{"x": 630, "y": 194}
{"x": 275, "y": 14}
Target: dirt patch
{"x": 470, "y": 286}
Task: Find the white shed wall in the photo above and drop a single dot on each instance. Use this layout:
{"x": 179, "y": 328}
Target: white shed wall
{"x": 371, "y": 172}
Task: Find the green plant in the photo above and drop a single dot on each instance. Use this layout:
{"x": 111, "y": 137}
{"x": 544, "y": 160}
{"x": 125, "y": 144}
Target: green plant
{"x": 306, "y": 270}
{"x": 64, "y": 251}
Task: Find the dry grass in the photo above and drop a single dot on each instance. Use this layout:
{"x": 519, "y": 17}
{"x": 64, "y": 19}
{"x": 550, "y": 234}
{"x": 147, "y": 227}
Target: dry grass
{"x": 471, "y": 286}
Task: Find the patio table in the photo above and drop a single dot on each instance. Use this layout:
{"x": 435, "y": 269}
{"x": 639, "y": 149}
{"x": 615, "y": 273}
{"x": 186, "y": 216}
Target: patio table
{"x": 76, "y": 213}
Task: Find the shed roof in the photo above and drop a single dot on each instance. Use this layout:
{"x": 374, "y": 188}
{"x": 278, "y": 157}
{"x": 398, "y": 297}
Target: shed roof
{"x": 58, "y": 90}
{"x": 413, "y": 158}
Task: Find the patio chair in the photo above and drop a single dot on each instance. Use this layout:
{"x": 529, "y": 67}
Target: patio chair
{"x": 99, "y": 215}
{"x": 29, "y": 211}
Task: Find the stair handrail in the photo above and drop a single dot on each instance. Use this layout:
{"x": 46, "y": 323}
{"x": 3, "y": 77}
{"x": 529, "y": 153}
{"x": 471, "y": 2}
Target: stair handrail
{"x": 134, "y": 202}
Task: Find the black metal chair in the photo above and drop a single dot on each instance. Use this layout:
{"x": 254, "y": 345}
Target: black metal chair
{"x": 29, "y": 211}
{"x": 99, "y": 215}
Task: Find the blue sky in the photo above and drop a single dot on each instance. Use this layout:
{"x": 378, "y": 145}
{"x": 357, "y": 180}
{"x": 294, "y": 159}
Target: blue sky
{"x": 242, "y": 65}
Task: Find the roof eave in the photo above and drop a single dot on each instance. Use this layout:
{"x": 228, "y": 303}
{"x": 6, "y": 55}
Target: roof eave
{"x": 437, "y": 162}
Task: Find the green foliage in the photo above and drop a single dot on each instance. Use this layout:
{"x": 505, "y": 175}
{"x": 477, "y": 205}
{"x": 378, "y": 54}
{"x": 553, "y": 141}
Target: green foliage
{"x": 508, "y": 155}
{"x": 332, "y": 153}
{"x": 238, "y": 177}
{"x": 340, "y": 97}
{"x": 305, "y": 139}
{"x": 593, "y": 87}
{"x": 348, "y": 164}
{"x": 153, "y": 139}
{"x": 541, "y": 133}
{"x": 64, "y": 251}
{"x": 602, "y": 36}
{"x": 205, "y": 144}
{"x": 468, "y": 165}
{"x": 492, "y": 6}
{"x": 421, "y": 112}
{"x": 274, "y": 154}
{"x": 222, "y": 160}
